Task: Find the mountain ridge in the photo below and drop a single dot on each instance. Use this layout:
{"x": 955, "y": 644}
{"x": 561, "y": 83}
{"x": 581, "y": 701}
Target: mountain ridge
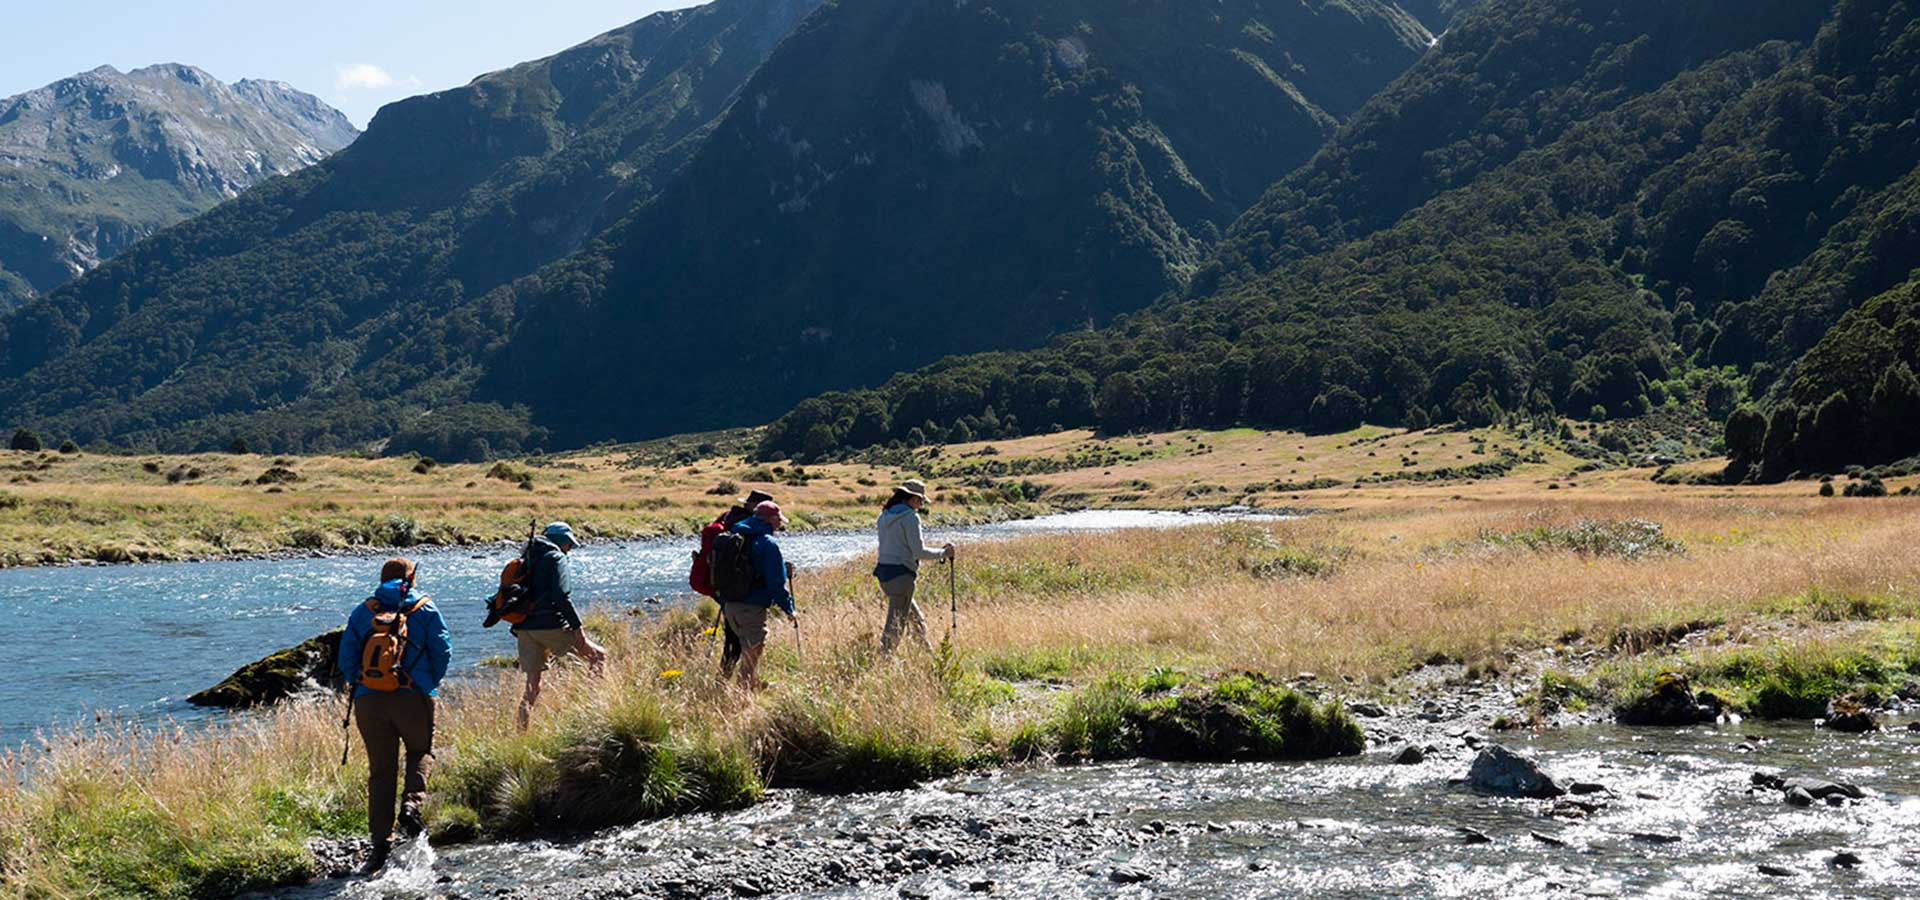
{"x": 92, "y": 163}
{"x": 414, "y": 291}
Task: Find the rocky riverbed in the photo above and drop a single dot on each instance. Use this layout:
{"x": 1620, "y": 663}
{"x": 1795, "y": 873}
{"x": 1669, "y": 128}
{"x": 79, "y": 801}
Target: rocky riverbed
{"x": 1741, "y": 809}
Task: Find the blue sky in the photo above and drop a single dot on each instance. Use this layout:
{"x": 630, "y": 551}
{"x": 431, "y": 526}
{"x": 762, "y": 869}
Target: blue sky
{"x": 356, "y": 54}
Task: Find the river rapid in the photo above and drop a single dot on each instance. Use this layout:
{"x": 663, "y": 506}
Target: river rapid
{"x": 1678, "y": 817}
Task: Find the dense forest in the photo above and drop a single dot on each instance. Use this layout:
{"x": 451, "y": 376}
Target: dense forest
{"x": 861, "y": 194}
{"x": 351, "y": 303}
{"x": 1676, "y": 220}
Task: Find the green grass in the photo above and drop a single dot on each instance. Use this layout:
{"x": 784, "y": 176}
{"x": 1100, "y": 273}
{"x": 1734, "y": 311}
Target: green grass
{"x": 1785, "y": 679}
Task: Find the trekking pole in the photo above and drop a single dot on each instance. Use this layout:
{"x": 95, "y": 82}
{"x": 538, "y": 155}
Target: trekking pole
{"x": 953, "y": 597}
{"x": 346, "y": 731}
{"x": 798, "y": 647}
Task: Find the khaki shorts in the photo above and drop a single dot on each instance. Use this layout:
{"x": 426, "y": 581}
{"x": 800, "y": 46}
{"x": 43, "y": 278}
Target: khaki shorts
{"x": 748, "y": 621}
{"x": 537, "y": 648}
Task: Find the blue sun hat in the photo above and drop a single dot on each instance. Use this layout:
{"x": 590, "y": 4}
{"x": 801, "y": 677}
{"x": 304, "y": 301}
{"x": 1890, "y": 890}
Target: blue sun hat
{"x": 561, "y": 534}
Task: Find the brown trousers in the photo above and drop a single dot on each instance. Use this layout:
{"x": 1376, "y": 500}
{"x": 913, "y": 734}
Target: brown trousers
{"x": 386, "y": 722}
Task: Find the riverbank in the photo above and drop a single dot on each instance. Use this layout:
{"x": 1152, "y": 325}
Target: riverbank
{"x": 58, "y": 509}
{"x": 1066, "y": 646}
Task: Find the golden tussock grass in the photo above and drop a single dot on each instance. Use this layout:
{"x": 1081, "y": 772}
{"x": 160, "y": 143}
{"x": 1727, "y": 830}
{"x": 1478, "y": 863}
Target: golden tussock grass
{"x": 1367, "y": 593}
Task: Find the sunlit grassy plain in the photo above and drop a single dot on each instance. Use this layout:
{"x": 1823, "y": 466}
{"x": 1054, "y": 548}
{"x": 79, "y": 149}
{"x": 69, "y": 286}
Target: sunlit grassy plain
{"x": 1062, "y": 642}
{"x": 58, "y": 508}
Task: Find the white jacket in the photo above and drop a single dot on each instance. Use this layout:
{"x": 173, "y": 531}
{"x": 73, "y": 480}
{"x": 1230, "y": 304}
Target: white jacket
{"x": 900, "y": 541}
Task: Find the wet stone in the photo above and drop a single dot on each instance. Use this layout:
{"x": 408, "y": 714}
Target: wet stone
{"x": 1845, "y": 859}
{"x": 1472, "y": 835}
{"x": 1502, "y": 772}
{"x": 1583, "y": 788}
{"x": 1368, "y": 710}
{"x": 1129, "y": 874}
{"x": 1772, "y": 871}
{"x": 1656, "y": 837}
{"x": 1799, "y": 797}
{"x": 1546, "y": 839}
{"x": 1410, "y": 756}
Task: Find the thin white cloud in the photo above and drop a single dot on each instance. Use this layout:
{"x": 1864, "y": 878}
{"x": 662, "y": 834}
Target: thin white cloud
{"x": 369, "y": 77}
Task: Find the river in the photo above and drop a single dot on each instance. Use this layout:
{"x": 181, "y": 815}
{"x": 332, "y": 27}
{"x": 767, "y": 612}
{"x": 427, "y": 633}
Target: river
{"x": 1677, "y": 819}
{"x": 132, "y": 642}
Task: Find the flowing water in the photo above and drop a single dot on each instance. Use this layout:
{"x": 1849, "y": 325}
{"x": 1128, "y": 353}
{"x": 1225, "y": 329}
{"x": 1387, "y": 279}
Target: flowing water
{"x": 1678, "y": 820}
{"x": 132, "y": 642}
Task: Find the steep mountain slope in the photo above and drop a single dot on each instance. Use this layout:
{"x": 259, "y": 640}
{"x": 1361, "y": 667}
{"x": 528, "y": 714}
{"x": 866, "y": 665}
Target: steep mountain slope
{"x": 1594, "y": 271}
{"x": 983, "y": 176}
{"x": 1502, "y": 84}
{"x": 93, "y": 163}
{"x": 1437, "y": 15}
{"x": 361, "y": 279}
{"x": 901, "y": 180}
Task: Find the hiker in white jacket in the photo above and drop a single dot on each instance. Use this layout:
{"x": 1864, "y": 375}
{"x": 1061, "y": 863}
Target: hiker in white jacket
{"x": 901, "y": 552}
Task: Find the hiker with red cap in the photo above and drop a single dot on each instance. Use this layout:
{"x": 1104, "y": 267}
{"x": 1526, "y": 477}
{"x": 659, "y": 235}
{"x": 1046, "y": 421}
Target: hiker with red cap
{"x": 749, "y": 578}
{"x": 394, "y": 653}
{"x": 701, "y": 576}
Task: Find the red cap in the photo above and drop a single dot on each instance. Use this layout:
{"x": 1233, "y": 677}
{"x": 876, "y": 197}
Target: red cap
{"x": 769, "y": 511}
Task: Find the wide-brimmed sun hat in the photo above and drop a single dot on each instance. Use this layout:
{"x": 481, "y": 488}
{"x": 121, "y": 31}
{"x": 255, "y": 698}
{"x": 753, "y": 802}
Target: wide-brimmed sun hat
{"x": 915, "y": 487}
{"x": 753, "y": 499}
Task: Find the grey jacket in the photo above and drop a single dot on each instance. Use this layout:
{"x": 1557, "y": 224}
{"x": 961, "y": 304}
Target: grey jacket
{"x": 900, "y": 541}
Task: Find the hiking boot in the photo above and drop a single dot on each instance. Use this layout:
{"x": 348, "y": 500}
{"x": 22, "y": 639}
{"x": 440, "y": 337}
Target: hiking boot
{"x": 376, "y": 860}
{"x": 412, "y": 824}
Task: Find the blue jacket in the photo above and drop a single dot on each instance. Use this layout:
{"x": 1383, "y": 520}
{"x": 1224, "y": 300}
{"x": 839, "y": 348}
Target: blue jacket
{"x": 764, "y": 551}
{"x": 430, "y": 646}
{"x": 551, "y": 586}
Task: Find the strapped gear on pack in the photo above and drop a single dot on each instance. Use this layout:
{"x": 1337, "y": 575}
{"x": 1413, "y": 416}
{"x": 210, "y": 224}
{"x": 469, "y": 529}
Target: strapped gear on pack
{"x": 383, "y": 660}
{"x": 513, "y": 602}
{"x": 733, "y": 573}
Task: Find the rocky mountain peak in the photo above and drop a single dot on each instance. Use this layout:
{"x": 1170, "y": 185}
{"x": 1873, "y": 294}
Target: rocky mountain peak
{"x": 93, "y": 162}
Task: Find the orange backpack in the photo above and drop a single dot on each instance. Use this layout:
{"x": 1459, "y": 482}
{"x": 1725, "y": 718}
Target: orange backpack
{"x": 383, "y": 661}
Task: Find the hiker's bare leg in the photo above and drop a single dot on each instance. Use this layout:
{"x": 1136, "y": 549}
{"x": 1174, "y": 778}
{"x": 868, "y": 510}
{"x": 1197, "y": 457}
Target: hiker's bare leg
{"x": 527, "y": 700}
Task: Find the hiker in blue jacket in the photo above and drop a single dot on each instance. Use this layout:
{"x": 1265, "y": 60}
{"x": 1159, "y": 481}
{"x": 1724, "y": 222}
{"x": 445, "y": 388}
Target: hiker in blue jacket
{"x": 748, "y": 616}
{"x": 395, "y": 704}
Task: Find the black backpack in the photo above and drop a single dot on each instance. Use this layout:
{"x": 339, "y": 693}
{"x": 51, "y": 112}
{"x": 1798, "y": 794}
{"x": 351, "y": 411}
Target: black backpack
{"x": 731, "y": 562}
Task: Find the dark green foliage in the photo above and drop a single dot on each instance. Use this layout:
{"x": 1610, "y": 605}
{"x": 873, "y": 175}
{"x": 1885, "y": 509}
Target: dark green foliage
{"x": 1746, "y": 438}
{"x": 25, "y": 440}
{"x": 1480, "y": 241}
{"x": 69, "y": 448}
{"x": 544, "y": 257}
{"x": 349, "y": 303}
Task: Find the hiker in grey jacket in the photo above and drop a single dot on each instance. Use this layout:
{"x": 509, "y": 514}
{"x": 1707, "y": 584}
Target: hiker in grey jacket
{"x": 901, "y": 552}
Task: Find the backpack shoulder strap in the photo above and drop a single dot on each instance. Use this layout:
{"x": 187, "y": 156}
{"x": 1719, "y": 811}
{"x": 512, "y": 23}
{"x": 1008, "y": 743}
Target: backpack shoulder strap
{"x": 414, "y": 607}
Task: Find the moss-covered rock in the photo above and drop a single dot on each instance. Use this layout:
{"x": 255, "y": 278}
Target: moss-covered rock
{"x": 278, "y": 676}
{"x": 1241, "y": 717}
{"x": 1672, "y": 702}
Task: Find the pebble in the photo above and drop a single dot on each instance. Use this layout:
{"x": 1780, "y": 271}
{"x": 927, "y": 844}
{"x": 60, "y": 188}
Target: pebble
{"x": 981, "y": 886}
{"x": 1582, "y": 788}
{"x": 1799, "y": 797}
{"x": 1547, "y": 839}
{"x": 1655, "y": 837}
{"x": 1774, "y": 871}
{"x": 1472, "y": 835}
{"x": 1845, "y": 859}
{"x": 1129, "y": 874}
{"x": 1410, "y": 756}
